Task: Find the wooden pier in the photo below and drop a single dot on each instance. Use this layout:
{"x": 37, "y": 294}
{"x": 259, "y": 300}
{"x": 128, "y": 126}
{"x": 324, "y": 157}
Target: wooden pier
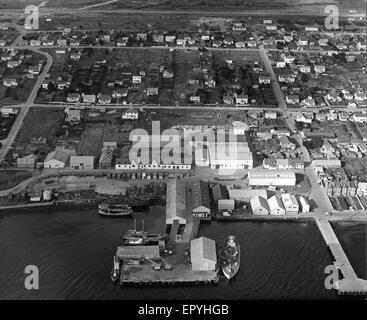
{"x": 180, "y": 274}
{"x": 350, "y": 284}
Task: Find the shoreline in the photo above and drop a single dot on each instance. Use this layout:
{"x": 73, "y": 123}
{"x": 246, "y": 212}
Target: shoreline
{"x": 89, "y": 203}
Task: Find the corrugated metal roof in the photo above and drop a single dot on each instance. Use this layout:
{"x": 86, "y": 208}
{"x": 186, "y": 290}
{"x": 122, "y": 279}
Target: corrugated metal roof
{"x": 203, "y": 247}
{"x": 200, "y": 194}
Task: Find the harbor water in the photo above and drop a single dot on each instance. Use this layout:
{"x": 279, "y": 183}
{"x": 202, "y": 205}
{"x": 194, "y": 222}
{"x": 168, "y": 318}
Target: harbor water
{"x": 73, "y": 248}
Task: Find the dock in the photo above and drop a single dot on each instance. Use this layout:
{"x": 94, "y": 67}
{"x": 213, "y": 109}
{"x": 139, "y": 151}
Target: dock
{"x": 350, "y": 284}
{"x": 180, "y": 274}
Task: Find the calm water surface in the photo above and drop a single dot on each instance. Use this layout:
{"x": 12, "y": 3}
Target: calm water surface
{"x": 73, "y": 250}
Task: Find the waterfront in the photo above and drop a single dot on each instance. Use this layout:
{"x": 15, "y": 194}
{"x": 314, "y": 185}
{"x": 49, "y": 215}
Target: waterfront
{"x": 73, "y": 249}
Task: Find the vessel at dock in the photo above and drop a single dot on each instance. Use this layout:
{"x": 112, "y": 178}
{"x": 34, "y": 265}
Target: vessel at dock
{"x": 115, "y": 272}
{"x": 115, "y": 210}
{"x": 230, "y": 257}
{"x": 140, "y": 237}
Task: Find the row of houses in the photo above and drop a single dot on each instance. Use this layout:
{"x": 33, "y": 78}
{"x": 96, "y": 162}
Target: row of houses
{"x": 346, "y": 188}
{"x": 285, "y": 204}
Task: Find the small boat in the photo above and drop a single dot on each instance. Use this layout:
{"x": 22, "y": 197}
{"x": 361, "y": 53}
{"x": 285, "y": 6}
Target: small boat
{"x": 230, "y": 257}
{"x": 115, "y": 210}
{"x": 115, "y": 272}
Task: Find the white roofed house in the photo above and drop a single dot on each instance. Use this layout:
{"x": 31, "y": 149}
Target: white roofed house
{"x": 241, "y": 99}
{"x": 259, "y": 205}
{"x": 132, "y": 114}
{"x": 276, "y": 206}
{"x": 55, "y": 160}
{"x": 290, "y": 203}
{"x": 304, "y": 205}
{"x": 362, "y": 189}
{"x": 203, "y": 254}
{"x": 200, "y": 200}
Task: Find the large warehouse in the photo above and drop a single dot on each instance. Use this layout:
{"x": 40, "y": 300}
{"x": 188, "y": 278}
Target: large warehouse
{"x": 203, "y": 254}
{"x": 175, "y": 202}
{"x": 230, "y": 155}
{"x": 271, "y": 178}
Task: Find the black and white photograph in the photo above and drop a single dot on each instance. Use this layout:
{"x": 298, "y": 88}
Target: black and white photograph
{"x": 176, "y": 156}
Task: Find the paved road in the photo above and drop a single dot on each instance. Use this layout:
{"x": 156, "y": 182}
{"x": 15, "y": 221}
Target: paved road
{"x": 318, "y": 193}
{"x": 6, "y": 143}
{"x": 276, "y": 88}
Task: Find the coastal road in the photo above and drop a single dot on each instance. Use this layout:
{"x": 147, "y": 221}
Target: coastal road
{"x": 276, "y": 87}
{"x": 318, "y": 192}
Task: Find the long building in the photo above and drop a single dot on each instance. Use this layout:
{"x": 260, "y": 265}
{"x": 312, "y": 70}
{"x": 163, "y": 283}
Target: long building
{"x": 271, "y": 178}
{"x": 176, "y": 201}
{"x": 200, "y": 200}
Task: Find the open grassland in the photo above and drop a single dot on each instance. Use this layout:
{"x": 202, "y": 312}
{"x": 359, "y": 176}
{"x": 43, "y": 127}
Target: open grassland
{"x": 199, "y": 5}
{"x": 10, "y": 178}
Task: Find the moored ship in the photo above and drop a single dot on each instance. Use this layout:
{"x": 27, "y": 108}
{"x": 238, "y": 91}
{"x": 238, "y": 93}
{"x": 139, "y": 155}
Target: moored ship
{"x": 230, "y": 257}
{"x": 115, "y": 210}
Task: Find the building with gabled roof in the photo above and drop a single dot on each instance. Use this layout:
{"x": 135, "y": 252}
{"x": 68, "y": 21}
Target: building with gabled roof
{"x": 176, "y": 201}
{"x": 203, "y": 254}
{"x": 56, "y": 159}
{"x": 200, "y": 201}
{"x": 276, "y": 206}
{"x": 259, "y": 205}
{"x": 290, "y": 203}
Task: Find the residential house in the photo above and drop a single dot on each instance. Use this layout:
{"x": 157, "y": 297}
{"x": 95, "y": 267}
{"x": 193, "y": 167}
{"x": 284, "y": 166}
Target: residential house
{"x": 73, "y": 97}
{"x": 286, "y": 144}
{"x": 27, "y": 162}
{"x": 89, "y": 98}
{"x": 73, "y": 115}
{"x": 132, "y": 114}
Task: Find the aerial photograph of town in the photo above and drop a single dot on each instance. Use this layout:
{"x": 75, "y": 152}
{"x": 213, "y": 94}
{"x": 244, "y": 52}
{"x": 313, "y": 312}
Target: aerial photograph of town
{"x": 183, "y": 150}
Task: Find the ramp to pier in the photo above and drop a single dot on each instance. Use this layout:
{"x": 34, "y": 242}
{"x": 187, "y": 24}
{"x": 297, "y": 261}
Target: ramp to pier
{"x": 350, "y": 284}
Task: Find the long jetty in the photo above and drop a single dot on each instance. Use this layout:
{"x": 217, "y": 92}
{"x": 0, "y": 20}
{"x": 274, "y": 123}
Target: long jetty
{"x": 350, "y": 284}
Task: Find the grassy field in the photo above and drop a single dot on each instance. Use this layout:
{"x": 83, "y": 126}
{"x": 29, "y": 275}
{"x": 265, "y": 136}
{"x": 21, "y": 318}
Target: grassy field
{"x": 39, "y": 123}
{"x": 187, "y": 4}
{"x": 10, "y": 178}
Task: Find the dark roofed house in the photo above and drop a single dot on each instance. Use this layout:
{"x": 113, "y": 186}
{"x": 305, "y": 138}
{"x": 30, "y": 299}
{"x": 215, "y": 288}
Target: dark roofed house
{"x": 200, "y": 200}
{"x": 219, "y": 192}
